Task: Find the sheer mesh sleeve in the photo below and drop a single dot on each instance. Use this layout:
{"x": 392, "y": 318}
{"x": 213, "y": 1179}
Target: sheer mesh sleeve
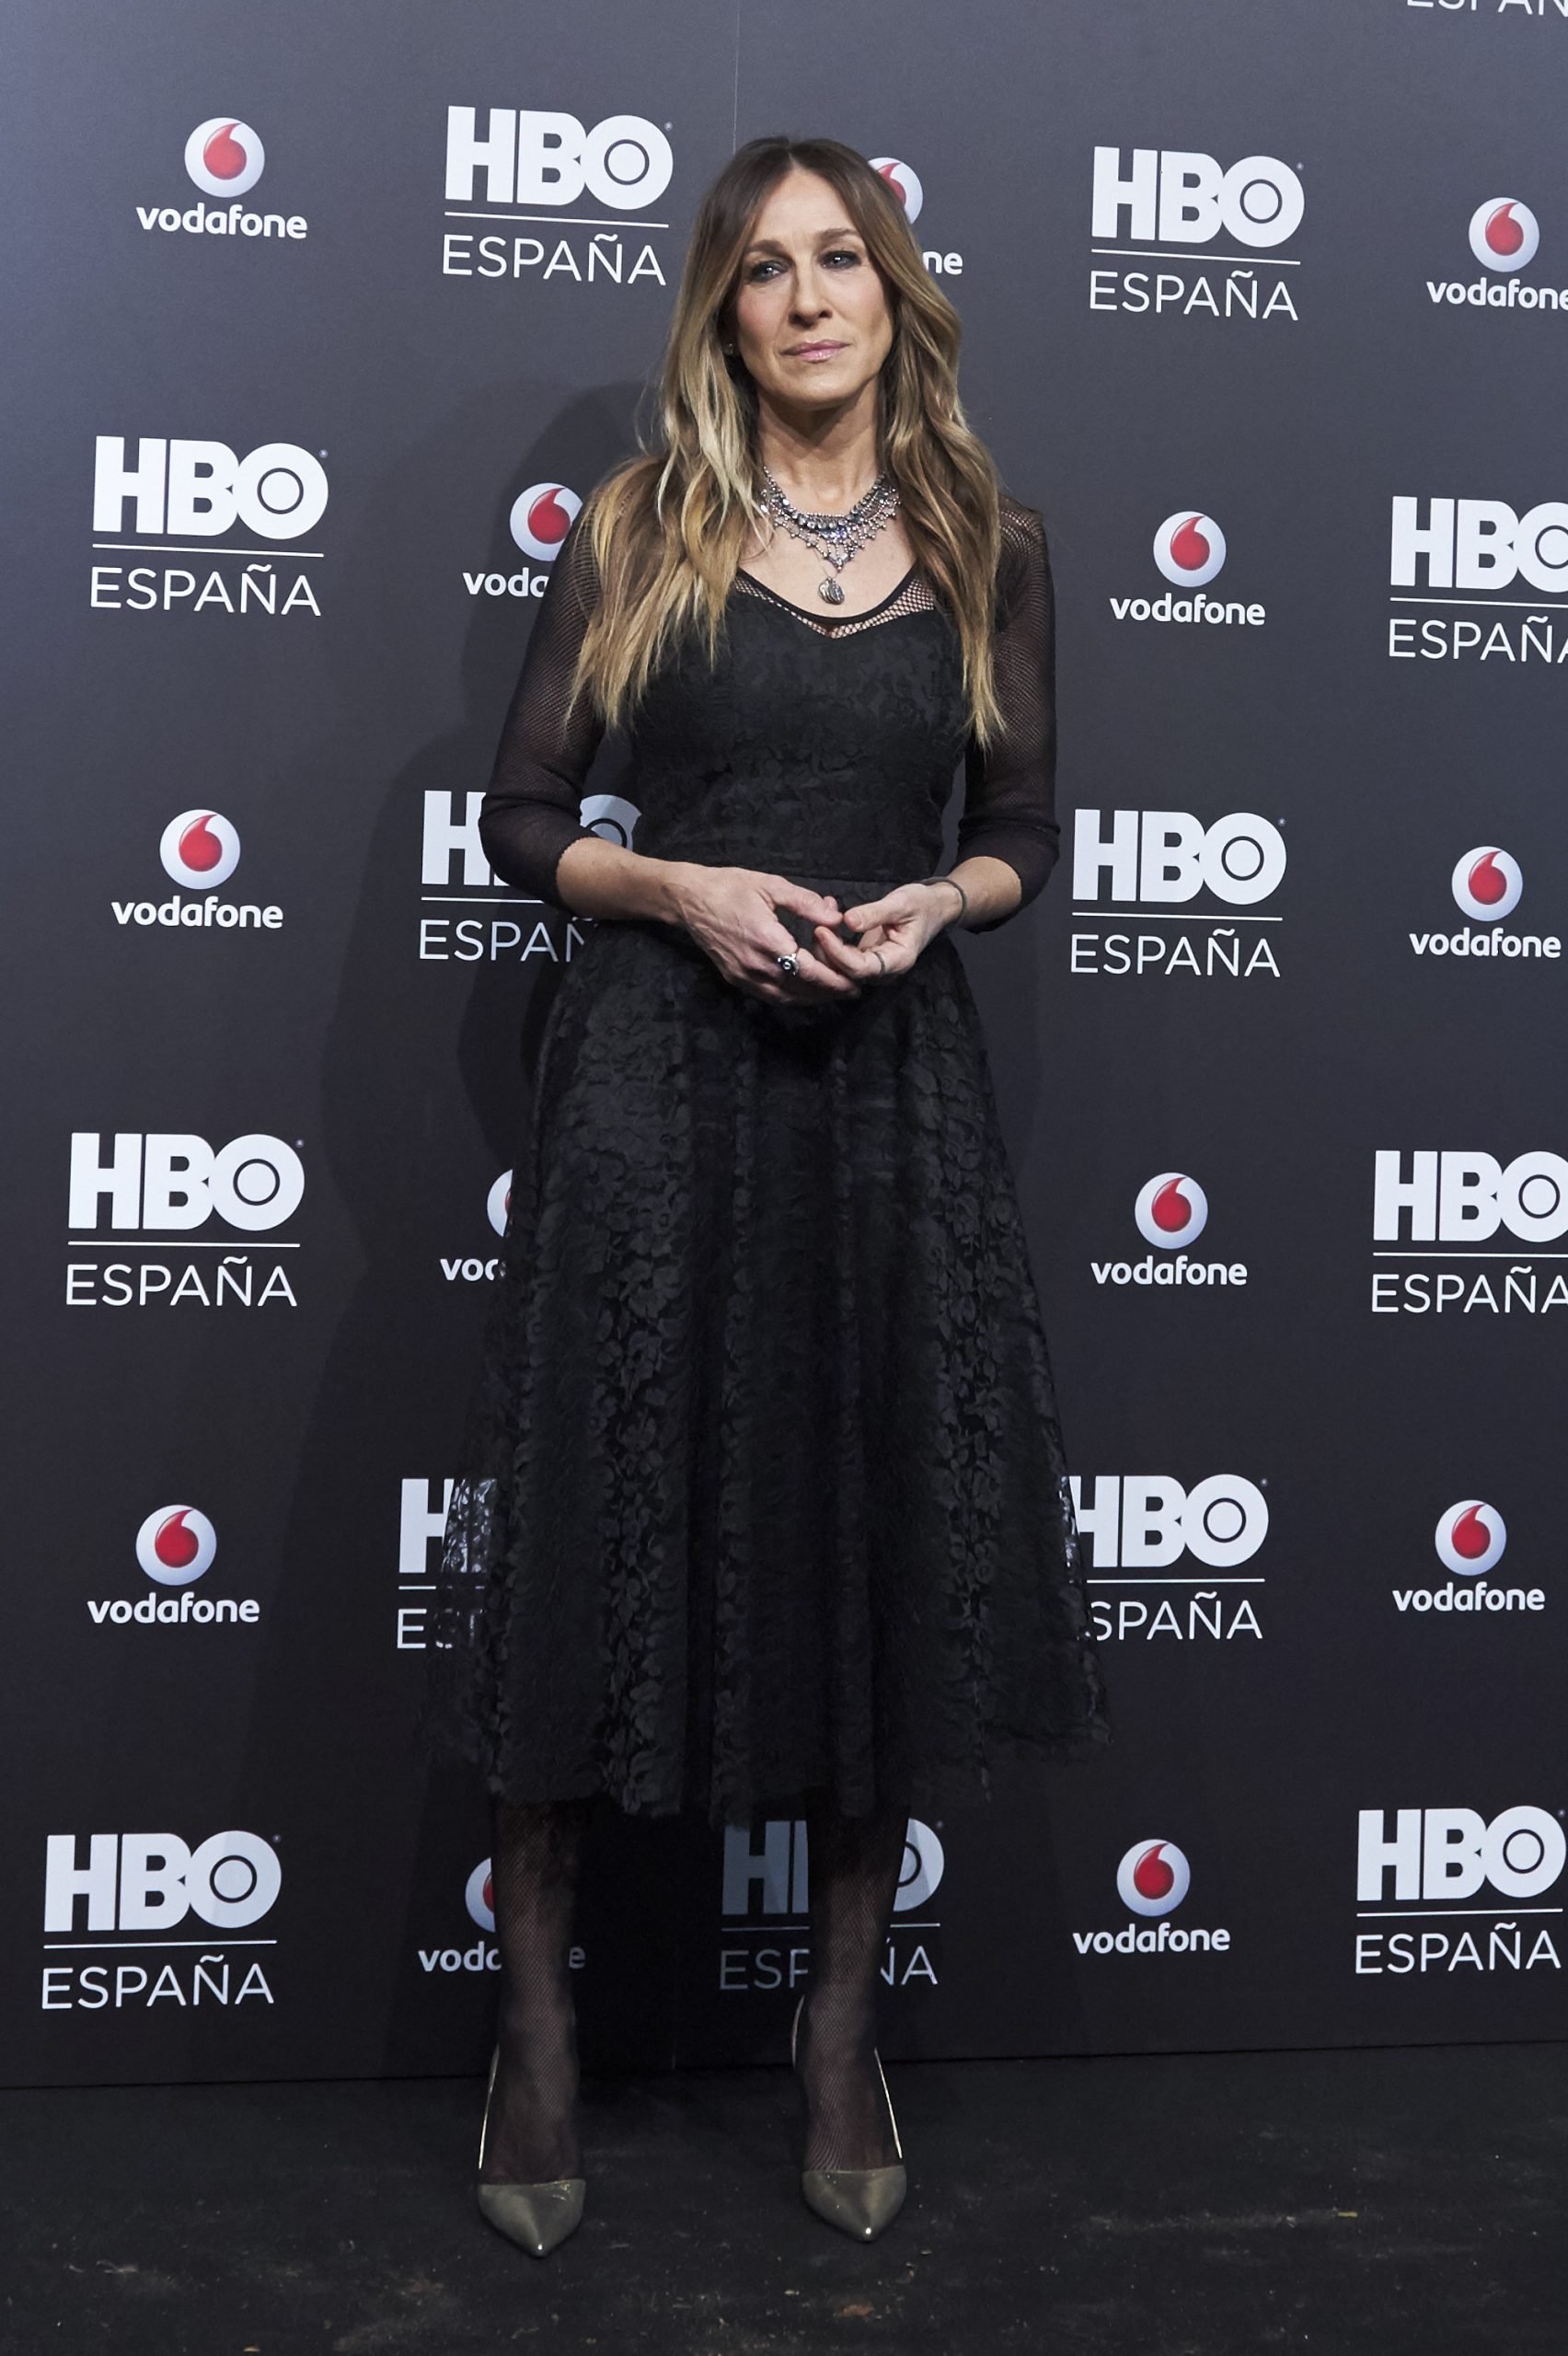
{"x": 1010, "y": 805}
{"x": 530, "y": 810}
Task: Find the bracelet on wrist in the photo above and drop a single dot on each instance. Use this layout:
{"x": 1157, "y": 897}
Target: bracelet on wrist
{"x": 962, "y": 895}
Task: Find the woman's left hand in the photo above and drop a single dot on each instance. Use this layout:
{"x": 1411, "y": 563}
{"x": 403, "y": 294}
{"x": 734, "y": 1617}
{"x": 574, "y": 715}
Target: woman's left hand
{"x": 893, "y": 930}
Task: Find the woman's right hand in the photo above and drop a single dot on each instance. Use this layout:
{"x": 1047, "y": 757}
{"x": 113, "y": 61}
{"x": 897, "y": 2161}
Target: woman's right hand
{"x": 729, "y": 912}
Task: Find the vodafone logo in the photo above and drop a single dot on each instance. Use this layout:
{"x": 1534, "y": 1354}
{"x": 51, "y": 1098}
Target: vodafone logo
{"x": 1487, "y": 883}
{"x": 1151, "y": 1881}
{"x": 1504, "y": 234}
{"x": 1505, "y": 237}
{"x": 175, "y": 1544}
{"x": 1153, "y": 1877}
{"x": 904, "y": 183}
{"x": 1189, "y": 548}
{"x": 1171, "y": 1211}
{"x": 225, "y": 156}
{"x": 199, "y": 850}
{"x": 473, "y": 1270}
{"x": 1469, "y": 1538}
{"x": 479, "y": 1896}
{"x": 541, "y": 518}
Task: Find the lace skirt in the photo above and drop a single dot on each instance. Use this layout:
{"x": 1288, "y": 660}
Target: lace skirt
{"x": 762, "y": 1488}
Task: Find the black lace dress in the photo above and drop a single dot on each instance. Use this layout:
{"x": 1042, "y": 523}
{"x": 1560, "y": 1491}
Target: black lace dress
{"x": 764, "y": 1485}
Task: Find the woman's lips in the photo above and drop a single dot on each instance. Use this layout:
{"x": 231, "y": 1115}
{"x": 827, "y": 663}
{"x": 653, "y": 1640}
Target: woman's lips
{"x": 812, "y": 351}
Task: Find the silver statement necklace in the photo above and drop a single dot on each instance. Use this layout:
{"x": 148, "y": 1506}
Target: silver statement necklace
{"x": 832, "y": 538}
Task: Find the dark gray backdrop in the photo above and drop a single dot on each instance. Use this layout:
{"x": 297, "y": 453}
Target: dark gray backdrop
{"x": 382, "y": 1027}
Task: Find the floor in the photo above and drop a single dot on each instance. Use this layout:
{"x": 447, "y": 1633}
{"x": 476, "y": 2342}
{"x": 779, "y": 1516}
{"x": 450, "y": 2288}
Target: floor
{"x": 1378, "y": 2202}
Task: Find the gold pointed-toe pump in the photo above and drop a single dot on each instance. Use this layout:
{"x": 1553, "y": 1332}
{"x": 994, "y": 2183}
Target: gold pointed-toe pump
{"x": 538, "y": 2217}
{"x": 861, "y": 2202}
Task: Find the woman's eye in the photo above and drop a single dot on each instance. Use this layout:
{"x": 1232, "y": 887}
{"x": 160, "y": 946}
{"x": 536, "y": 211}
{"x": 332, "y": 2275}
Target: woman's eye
{"x": 759, "y": 271}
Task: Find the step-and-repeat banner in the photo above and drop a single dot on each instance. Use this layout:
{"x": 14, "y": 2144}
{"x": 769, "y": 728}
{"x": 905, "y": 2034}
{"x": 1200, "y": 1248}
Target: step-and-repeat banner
{"x": 321, "y": 324}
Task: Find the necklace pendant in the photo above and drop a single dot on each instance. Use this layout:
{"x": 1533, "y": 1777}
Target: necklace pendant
{"x": 831, "y": 592}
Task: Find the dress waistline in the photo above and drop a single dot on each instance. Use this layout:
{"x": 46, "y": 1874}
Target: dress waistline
{"x": 726, "y": 855}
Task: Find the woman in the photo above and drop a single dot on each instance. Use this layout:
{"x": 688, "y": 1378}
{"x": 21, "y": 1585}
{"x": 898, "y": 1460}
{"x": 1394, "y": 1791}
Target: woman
{"x": 765, "y": 1503}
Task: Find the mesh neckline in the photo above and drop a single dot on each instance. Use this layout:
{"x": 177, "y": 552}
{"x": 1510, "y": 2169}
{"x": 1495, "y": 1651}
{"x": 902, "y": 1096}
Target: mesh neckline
{"x": 913, "y": 594}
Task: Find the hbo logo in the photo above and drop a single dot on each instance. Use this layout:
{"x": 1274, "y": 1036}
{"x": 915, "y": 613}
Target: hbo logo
{"x": 1465, "y": 1197}
{"x": 198, "y": 490}
{"x": 150, "y": 1881}
{"x": 1451, "y": 1851}
{"x": 541, "y": 158}
{"x": 1181, "y": 198}
{"x": 1143, "y": 1520}
{"x": 167, "y": 1181}
{"x": 1160, "y": 856}
{"x": 1480, "y": 544}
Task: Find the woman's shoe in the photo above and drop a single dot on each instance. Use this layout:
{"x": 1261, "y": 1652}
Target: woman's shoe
{"x": 860, "y": 2201}
{"x": 538, "y": 2217}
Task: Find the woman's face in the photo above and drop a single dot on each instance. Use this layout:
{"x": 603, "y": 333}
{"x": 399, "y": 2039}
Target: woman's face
{"x": 811, "y": 313}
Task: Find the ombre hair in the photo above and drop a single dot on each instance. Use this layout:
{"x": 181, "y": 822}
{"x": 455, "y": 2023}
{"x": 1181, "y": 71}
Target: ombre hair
{"x": 667, "y": 529}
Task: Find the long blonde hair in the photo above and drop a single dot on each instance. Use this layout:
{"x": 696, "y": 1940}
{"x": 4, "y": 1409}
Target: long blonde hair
{"x": 667, "y": 529}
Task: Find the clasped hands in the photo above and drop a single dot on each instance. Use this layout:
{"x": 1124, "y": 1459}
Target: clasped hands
{"x": 730, "y": 912}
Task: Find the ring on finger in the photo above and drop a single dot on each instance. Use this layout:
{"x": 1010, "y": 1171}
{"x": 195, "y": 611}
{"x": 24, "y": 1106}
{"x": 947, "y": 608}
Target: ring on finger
{"x": 788, "y": 963}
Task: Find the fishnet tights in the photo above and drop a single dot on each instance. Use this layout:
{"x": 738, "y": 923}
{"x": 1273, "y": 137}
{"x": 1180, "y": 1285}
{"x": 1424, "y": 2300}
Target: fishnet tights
{"x": 856, "y": 1862}
{"x": 532, "y": 2136}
